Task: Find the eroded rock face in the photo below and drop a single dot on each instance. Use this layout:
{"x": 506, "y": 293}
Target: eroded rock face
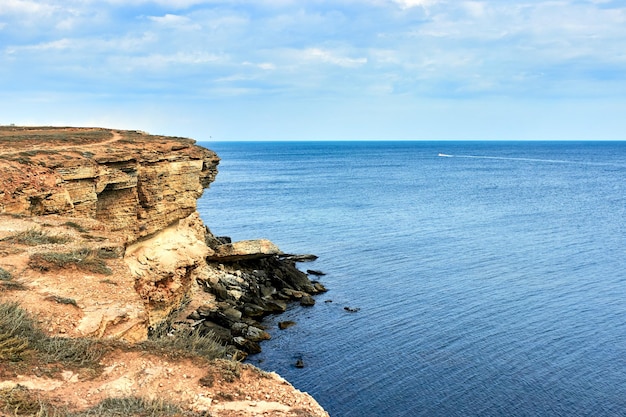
{"x": 134, "y": 183}
{"x": 166, "y": 266}
{"x": 139, "y": 191}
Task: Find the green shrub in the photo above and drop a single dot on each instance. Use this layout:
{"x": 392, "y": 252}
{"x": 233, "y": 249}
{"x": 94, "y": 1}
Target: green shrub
{"x": 35, "y": 237}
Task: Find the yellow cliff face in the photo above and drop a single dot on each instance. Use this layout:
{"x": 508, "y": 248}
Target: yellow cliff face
{"x": 121, "y": 188}
{"x": 130, "y": 181}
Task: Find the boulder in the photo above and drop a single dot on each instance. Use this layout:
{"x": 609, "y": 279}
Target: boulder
{"x": 307, "y": 301}
{"x": 244, "y": 250}
{"x": 298, "y": 258}
{"x": 253, "y": 310}
{"x": 256, "y": 335}
{"x": 221, "y": 333}
{"x": 247, "y": 345}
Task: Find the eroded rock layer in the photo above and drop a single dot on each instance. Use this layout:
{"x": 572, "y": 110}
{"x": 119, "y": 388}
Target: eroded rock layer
{"x": 133, "y": 182}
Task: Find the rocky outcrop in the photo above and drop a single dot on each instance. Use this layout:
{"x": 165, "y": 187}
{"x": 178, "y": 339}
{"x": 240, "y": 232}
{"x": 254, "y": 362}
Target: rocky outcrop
{"x": 248, "y": 281}
{"x": 100, "y": 237}
{"x": 139, "y": 192}
{"x": 134, "y": 183}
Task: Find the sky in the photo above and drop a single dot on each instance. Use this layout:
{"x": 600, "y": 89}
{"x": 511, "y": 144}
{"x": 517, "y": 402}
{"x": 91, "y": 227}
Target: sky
{"x": 319, "y": 70}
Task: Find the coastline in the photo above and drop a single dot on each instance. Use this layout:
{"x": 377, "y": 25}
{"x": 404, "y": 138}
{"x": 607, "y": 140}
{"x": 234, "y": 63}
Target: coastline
{"x": 133, "y": 196}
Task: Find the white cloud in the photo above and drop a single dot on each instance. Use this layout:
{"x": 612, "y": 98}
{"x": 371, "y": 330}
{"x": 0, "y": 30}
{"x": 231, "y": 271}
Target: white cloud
{"x": 25, "y": 7}
{"x": 329, "y": 57}
{"x": 267, "y": 66}
{"x": 175, "y": 21}
{"x": 57, "y": 45}
{"x": 125, "y": 44}
{"x": 407, "y": 4}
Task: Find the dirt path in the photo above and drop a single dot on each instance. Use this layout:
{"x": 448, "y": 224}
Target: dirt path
{"x": 116, "y": 136}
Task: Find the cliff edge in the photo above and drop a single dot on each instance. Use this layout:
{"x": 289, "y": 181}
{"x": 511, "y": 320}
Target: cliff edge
{"x": 100, "y": 238}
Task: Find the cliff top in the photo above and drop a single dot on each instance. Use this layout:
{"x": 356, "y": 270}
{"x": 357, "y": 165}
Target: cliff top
{"x": 74, "y": 142}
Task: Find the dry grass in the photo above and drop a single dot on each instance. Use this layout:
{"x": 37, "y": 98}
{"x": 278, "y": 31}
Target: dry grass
{"x": 5, "y": 275}
{"x": 83, "y": 259}
{"x": 19, "y": 336}
{"x": 76, "y": 226}
{"x": 7, "y": 283}
{"x": 62, "y": 300}
{"x": 20, "y": 401}
{"x": 185, "y": 344}
{"x": 36, "y": 237}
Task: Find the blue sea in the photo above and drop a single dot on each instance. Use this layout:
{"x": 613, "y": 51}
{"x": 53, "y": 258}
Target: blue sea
{"x": 489, "y": 281}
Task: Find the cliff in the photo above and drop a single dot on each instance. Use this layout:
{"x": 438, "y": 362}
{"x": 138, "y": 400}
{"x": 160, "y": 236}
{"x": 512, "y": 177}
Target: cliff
{"x": 100, "y": 237}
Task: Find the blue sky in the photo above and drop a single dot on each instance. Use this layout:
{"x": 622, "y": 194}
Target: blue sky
{"x": 318, "y": 70}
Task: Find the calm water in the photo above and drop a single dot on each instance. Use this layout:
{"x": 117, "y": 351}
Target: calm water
{"x": 490, "y": 283}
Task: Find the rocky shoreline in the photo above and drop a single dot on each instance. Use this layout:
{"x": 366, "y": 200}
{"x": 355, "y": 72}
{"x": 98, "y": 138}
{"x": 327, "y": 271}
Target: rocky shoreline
{"x": 249, "y": 280}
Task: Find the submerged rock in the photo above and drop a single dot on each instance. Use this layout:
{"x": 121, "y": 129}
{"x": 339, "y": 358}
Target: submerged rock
{"x": 282, "y": 325}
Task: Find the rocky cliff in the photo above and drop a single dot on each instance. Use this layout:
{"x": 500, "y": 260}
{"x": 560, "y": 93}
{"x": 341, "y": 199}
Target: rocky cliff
{"x": 100, "y": 237}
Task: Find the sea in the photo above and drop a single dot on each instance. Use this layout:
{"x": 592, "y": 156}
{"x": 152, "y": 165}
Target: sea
{"x": 464, "y": 278}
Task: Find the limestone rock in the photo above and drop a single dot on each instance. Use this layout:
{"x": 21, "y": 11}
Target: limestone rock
{"x": 134, "y": 183}
{"x": 244, "y": 250}
{"x": 166, "y": 265}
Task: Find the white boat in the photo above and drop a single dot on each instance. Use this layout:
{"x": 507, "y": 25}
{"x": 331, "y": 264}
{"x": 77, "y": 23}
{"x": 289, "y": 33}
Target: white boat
{"x": 446, "y": 155}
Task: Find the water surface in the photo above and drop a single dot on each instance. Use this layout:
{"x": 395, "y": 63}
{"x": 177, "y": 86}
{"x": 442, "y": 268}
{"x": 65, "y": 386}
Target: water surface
{"x": 490, "y": 282}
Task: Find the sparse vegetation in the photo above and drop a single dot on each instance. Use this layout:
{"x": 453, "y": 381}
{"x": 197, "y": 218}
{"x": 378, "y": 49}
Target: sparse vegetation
{"x": 109, "y": 253}
{"x": 12, "y": 286}
{"x": 20, "y": 401}
{"x": 21, "y": 339}
{"x": 84, "y": 259}
{"x": 76, "y": 226}
{"x": 21, "y": 335}
{"x": 62, "y": 300}
{"x": 16, "y": 332}
{"x": 92, "y": 237}
{"x": 133, "y": 406}
{"x": 5, "y": 275}
{"x": 185, "y": 344}
{"x": 36, "y": 237}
